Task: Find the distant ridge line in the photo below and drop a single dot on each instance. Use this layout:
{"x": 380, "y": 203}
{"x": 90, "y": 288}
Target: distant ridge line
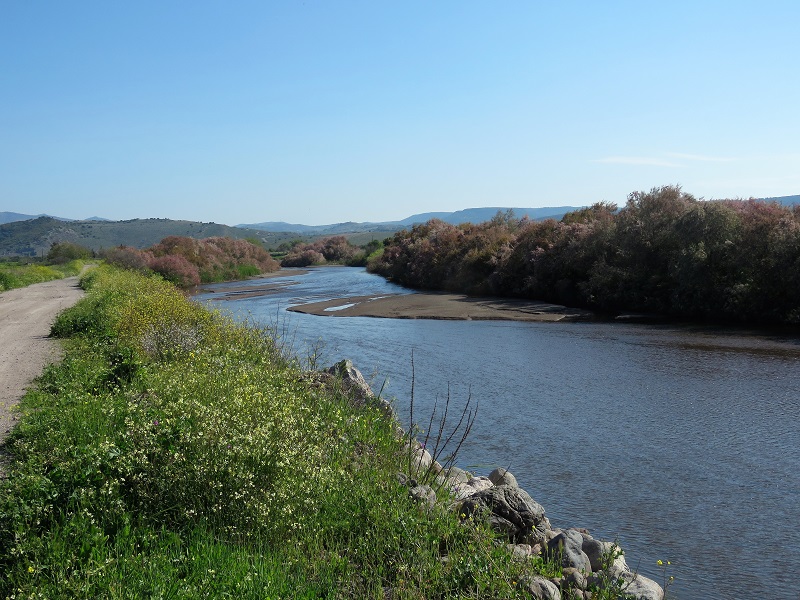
{"x": 472, "y": 215}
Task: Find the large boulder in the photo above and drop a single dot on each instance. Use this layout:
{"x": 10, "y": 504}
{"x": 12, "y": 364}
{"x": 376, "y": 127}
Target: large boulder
{"x": 501, "y": 476}
{"x": 567, "y": 546}
{"x": 639, "y": 587}
{"x": 603, "y": 555}
{"x": 510, "y": 510}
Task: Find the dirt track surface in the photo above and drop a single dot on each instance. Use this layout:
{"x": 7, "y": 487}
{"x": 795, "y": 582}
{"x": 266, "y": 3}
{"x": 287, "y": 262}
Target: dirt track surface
{"x": 25, "y": 318}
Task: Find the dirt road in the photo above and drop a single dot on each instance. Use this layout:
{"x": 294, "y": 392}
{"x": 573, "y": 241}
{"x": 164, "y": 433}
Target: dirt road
{"x": 25, "y": 318}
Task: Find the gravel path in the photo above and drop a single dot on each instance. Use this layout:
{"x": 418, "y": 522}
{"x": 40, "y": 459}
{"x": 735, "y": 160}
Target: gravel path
{"x": 25, "y": 348}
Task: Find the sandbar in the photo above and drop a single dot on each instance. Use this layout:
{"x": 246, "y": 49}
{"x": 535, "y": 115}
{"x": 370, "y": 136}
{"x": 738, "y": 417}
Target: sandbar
{"x": 432, "y": 305}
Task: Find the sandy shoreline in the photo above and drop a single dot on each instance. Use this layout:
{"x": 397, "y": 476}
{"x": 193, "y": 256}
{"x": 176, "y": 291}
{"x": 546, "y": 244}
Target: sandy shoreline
{"x": 430, "y": 305}
{"x": 417, "y": 305}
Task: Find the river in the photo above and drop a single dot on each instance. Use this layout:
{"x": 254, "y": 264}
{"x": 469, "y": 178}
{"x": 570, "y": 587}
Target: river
{"x": 683, "y": 443}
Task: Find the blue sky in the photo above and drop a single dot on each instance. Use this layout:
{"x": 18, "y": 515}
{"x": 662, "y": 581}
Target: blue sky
{"x": 322, "y": 112}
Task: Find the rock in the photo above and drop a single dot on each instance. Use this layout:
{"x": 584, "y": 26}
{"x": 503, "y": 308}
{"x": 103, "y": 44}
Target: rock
{"x": 452, "y": 478}
{"x": 421, "y": 460}
{"x": 520, "y": 551}
{"x": 567, "y": 546}
{"x": 511, "y": 509}
{"x": 501, "y": 476}
{"x": 594, "y": 550}
{"x": 352, "y": 379}
{"x": 574, "y": 579}
{"x": 619, "y": 565}
{"x": 458, "y": 475}
{"x": 423, "y": 495}
{"x": 354, "y": 384}
{"x": 639, "y": 587}
{"x": 540, "y": 588}
{"x": 474, "y": 485}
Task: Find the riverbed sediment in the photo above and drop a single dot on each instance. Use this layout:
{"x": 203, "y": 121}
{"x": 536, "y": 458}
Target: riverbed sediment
{"x": 430, "y": 305}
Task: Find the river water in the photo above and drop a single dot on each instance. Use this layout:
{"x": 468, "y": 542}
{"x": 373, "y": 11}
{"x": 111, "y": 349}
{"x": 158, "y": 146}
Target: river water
{"x": 683, "y": 443}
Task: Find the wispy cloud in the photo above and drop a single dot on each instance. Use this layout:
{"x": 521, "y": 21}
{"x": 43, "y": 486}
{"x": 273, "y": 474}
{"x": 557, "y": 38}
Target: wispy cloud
{"x": 637, "y": 160}
{"x": 699, "y": 157}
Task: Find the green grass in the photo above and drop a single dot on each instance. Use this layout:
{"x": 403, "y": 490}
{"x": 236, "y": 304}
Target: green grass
{"x": 17, "y": 275}
{"x": 175, "y": 454}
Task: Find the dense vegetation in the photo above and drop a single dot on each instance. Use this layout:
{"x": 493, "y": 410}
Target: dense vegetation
{"x": 187, "y": 261}
{"x": 664, "y": 252}
{"x": 336, "y": 250}
{"x": 176, "y": 454}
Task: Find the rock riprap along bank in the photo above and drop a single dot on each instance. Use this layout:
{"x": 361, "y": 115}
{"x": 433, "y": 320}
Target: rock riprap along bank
{"x": 587, "y": 563}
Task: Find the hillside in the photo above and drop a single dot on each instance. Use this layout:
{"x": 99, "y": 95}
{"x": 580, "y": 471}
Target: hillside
{"x": 34, "y": 237}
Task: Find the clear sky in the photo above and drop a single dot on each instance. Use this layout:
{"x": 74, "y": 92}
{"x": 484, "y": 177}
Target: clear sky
{"x": 327, "y": 111}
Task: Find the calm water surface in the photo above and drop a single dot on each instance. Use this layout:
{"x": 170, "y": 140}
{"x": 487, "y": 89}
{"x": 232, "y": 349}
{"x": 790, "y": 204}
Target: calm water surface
{"x": 682, "y": 443}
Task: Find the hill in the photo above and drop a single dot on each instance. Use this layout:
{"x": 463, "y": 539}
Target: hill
{"x": 469, "y": 215}
{"x": 33, "y": 237}
{"x": 12, "y": 217}
{"x": 785, "y": 200}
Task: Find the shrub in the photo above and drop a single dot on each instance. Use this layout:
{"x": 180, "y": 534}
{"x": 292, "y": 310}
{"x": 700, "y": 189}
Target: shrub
{"x": 175, "y": 269}
{"x": 127, "y": 258}
{"x": 304, "y": 258}
{"x": 64, "y": 252}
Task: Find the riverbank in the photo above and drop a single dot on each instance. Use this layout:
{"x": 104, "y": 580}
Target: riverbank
{"x": 173, "y": 453}
{"x": 417, "y": 305}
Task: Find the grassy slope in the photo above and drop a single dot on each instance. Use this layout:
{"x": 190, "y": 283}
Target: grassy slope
{"x": 176, "y": 454}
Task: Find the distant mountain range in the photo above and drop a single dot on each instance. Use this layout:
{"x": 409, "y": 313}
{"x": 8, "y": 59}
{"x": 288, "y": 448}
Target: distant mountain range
{"x": 785, "y": 200}
{"x": 12, "y": 217}
{"x": 469, "y": 215}
{"x": 32, "y": 235}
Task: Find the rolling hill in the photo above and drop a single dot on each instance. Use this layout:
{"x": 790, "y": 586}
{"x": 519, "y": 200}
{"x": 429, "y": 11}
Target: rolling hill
{"x": 33, "y": 237}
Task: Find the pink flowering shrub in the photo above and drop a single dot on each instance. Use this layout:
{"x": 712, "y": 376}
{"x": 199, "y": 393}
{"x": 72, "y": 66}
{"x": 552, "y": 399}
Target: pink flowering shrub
{"x": 176, "y": 269}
